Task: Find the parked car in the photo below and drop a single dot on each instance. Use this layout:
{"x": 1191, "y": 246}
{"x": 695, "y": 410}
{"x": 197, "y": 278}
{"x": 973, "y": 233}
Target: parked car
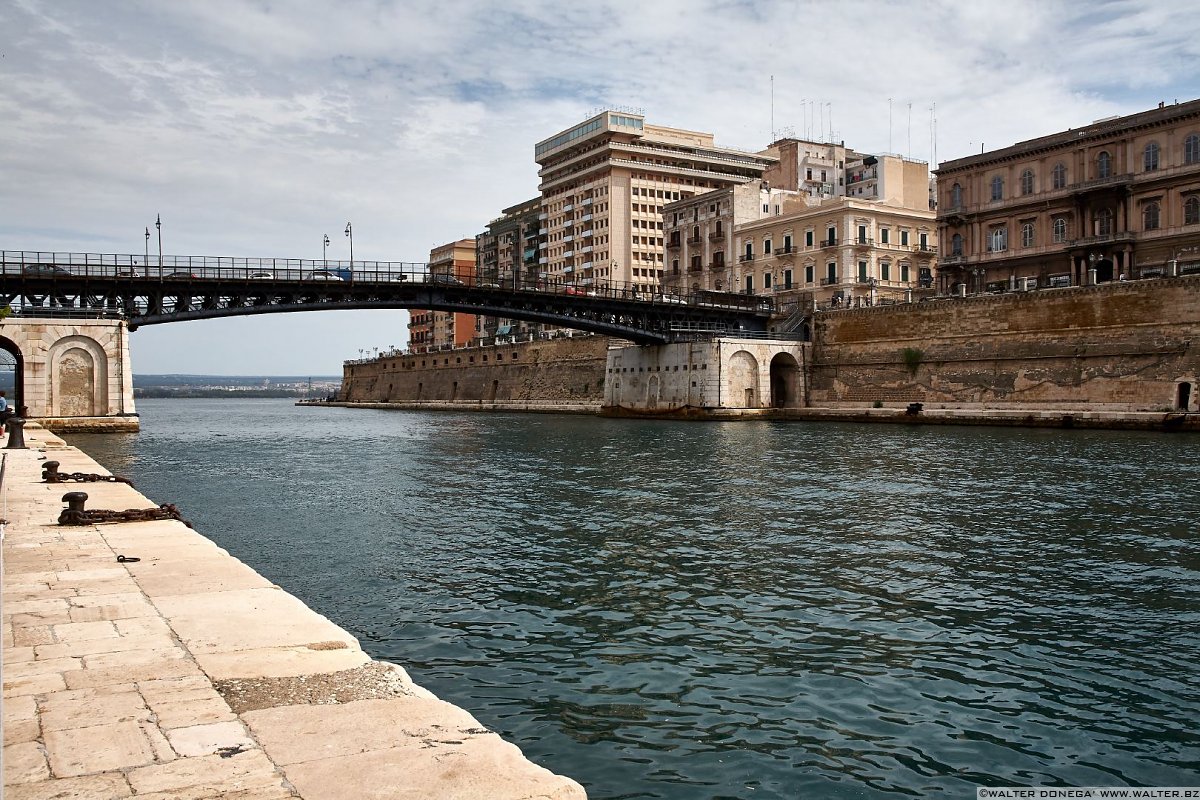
{"x": 578, "y": 290}
{"x": 46, "y": 270}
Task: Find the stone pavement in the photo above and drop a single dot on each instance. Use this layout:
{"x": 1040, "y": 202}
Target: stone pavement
{"x": 187, "y": 675}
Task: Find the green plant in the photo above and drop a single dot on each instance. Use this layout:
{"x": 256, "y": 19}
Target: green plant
{"x": 912, "y": 358}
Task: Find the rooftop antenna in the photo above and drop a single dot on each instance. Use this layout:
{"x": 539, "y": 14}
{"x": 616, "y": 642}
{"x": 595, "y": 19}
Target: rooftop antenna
{"x": 772, "y": 108}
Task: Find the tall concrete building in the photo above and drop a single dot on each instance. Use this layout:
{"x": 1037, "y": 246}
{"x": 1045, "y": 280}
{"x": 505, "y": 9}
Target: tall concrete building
{"x": 823, "y": 170}
{"x": 604, "y": 184}
{"x": 1119, "y": 198}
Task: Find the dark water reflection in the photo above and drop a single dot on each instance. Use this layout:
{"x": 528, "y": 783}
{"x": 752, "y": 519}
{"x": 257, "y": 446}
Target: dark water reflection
{"x": 686, "y": 611}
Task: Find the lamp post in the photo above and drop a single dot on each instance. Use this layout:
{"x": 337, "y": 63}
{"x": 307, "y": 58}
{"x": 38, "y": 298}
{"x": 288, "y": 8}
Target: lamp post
{"x": 325, "y": 252}
{"x": 146, "y": 260}
{"x": 350, "y": 233}
{"x": 158, "y": 225}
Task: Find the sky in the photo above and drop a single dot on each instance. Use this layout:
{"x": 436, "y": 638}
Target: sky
{"x": 256, "y": 128}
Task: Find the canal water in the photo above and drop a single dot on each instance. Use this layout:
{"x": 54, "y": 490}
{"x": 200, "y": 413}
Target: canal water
{"x": 733, "y": 610}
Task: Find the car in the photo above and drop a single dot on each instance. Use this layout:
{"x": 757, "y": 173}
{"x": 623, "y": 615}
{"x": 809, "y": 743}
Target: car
{"x": 261, "y": 276}
{"x": 580, "y": 291}
{"x": 444, "y": 277}
{"x": 46, "y": 270}
{"x": 667, "y": 298}
{"x": 321, "y": 275}
{"x": 179, "y": 276}
{"x": 128, "y": 272}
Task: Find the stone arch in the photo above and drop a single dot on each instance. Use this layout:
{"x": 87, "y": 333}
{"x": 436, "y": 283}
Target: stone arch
{"x": 79, "y": 387}
{"x": 17, "y": 398}
{"x": 785, "y": 382}
{"x": 743, "y": 380}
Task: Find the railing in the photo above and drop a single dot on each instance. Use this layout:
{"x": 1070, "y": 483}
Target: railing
{"x": 829, "y": 243}
{"x": 744, "y": 257}
{"x": 693, "y": 240}
{"x": 674, "y": 244}
{"x": 864, "y": 241}
{"x": 829, "y": 281}
{"x": 716, "y": 236}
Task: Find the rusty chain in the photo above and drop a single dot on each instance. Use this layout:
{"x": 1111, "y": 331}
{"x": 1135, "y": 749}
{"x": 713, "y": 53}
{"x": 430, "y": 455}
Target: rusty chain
{"x": 71, "y": 516}
{"x": 50, "y": 474}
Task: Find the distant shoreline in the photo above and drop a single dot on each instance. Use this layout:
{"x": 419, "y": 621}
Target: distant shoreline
{"x": 156, "y": 393}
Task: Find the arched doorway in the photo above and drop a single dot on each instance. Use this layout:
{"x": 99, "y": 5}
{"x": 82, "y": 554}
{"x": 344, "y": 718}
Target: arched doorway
{"x": 785, "y": 381}
{"x": 743, "y": 380}
{"x": 1184, "y": 397}
{"x": 12, "y": 373}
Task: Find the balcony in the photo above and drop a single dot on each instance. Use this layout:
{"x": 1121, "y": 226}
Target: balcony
{"x": 585, "y": 234}
{"x": 568, "y": 223}
{"x": 543, "y": 260}
{"x": 674, "y": 244}
{"x": 744, "y": 257}
{"x": 829, "y": 281}
{"x": 568, "y": 253}
{"x": 568, "y": 238}
{"x": 543, "y": 217}
{"x": 587, "y": 201}
{"x": 786, "y": 250}
{"x": 568, "y": 270}
{"x": 693, "y": 240}
{"x": 568, "y": 207}
{"x": 717, "y": 266}
{"x": 695, "y": 267}
{"x": 586, "y": 218}
{"x": 826, "y": 243}
{"x": 717, "y": 236}
{"x": 864, "y": 241}
{"x": 1102, "y": 183}
{"x": 926, "y": 248}
{"x": 947, "y": 261}
{"x": 543, "y": 231}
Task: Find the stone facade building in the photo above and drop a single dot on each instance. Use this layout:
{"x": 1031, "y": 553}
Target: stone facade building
{"x": 507, "y": 255}
{"x": 604, "y": 185}
{"x": 1117, "y": 198}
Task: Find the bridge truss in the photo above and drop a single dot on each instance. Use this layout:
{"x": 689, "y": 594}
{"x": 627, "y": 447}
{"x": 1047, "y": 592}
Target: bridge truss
{"x": 178, "y": 288}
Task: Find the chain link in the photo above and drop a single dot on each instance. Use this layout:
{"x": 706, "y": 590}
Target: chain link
{"x": 98, "y": 516}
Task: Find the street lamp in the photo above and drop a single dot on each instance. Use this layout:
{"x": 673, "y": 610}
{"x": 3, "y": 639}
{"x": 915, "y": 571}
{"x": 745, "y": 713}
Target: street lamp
{"x": 350, "y": 233}
{"x": 146, "y": 261}
{"x": 325, "y": 252}
{"x": 158, "y": 225}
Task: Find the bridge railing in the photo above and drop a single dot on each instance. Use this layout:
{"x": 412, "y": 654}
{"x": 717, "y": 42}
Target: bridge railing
{"x": 120, "y": 267}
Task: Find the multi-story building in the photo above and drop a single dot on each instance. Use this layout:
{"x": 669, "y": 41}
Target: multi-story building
{"x": 435, "y": 330}
{"x": 842, "y": 251}
{"x": 507, "y": 255}
{"x": 604, "y": 185}
{"x": 823, "y": 171}
{"x": 1119, "y": 198}
{"x": 698, "y": 233}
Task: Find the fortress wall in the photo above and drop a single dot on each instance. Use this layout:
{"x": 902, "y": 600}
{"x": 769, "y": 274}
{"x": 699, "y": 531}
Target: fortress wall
{"x": 1122, "y": 346}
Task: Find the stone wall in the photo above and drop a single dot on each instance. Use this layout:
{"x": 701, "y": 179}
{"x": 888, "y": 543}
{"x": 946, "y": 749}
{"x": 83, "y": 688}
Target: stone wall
{"x": 561, "y": 372}
{"x": 1124, "y": 346}
{"x": 73, "y": 369}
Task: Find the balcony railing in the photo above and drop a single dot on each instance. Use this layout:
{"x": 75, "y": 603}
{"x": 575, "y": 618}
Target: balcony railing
{"x": 786, "y": 250}
{"x": 693, "y": 240}
{"x": 864, "y": 241}
{"x": 829, "y": 242}
{"x": 829, "y": 281}
{"x": 717, "y": 266}
{"x": 674, "y": 244}
{"x": 695, "y": 267}
{"x": 716, "y": 236}
{"x": 744, "y": 257}
{"x": 1097, "y": 183}
{"x": 925, "y": 248}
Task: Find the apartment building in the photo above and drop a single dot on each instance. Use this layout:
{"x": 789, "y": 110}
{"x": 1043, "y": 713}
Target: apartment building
{"x": 823, "y": 171}
{"x": 699, "y": 233}
{"x": 434, "y": 330}
{"x": 507, "y": 255}
{"x": 1119, "y": 198}
{"x": 840, "y": 252}
{"x": 604, "y": 185}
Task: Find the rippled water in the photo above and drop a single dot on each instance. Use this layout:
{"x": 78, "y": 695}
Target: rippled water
{"x": 718, "y": 610}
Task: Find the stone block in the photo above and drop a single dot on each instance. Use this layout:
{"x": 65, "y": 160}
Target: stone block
{"x": 201, "y": 740}
{"x": 91, "y": 787}
{"x": 98, "y": 748}
{"x": 24, "y": 762}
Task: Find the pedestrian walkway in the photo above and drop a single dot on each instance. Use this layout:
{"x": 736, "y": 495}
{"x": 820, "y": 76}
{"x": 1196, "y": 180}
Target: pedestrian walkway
{"x": 187, "y": 675}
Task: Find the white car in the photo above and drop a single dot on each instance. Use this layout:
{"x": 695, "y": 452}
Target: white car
{"x": 321, "y": 275}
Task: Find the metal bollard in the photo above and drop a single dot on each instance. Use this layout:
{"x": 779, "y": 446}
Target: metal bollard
{"x": 16, "y": 434}
{"x": 73, "y": 514}
{"x": 50, "y": 472}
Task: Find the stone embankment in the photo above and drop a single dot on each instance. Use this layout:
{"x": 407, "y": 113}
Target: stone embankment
{"x": 179, "y": 672}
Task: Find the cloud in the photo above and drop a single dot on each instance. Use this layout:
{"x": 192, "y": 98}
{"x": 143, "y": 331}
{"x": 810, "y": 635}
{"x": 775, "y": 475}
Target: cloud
{"x": 254, "y": 128}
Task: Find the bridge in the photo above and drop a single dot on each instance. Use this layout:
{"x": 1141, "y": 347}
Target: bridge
{"x": 154, "y": 290}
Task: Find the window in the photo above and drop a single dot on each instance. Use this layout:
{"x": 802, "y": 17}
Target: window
{"x": 862, "y": 234}
{"x": 1150, "y": 157}
{"x": 831, "y": 272}
{"x": 885, "y": 271}
{"x": 883, "y": 235}
{"x": 924, "y": 241}
{"x": 1027, "y": 235}
{"x": 997, "y": 188}
{"x": 956, "y": 196}
{"x": 904, "y": 273}
{"x": 1104, "y": 222}
{"x": 1060, "y": 230}
{"x": 1027, "y": 182}
{"x": 767, "y": 281}
{"x": 749, "y": 251}
{"x": 1191, "y": 149}
{"x": 675, "y": 265}
{"x": 749, "y": 284}
{"x": 998, "y": 240}
{"x": 808, "y": 238}
{"x": 862, "y": 272}
{"x": 787, "y": 243}
{"x": 956, "y": 245}
{"x": 904, "y": 238}
{"x": 1104, "y": 165}
{"x": 766, "y": 247}
{"x": 809, "y": 271}
{"x": 1150, "y": 217}
{"x": 1191, "y": 211}
{"x": 787, "y": 279}
{"x": 766, "y": 208}
{"x": 1059, "y": 176}
{"x": 831, "y": 235}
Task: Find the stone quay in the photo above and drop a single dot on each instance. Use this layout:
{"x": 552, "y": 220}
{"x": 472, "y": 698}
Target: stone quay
{"x": 142, "y": 660}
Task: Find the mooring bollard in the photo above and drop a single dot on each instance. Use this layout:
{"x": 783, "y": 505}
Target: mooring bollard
{"x": 74, "y": 513}
{"x": 16, "y": 434}
{"x": 50, "y": 472}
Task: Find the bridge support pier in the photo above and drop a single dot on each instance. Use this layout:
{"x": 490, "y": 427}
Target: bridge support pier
{"x": 71, "y": 375}
{"x": 712, "y": 377}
